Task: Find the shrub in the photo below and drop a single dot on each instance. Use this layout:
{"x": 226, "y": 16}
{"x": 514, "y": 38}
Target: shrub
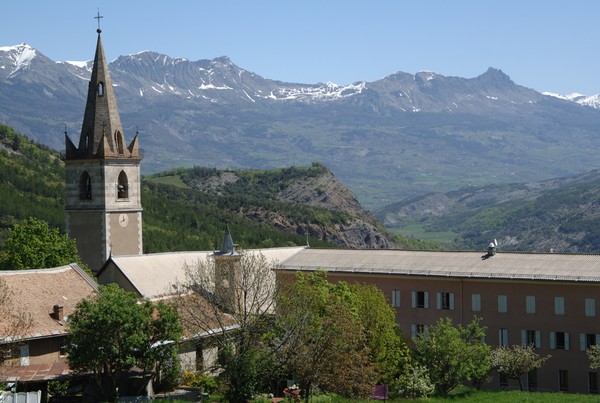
{"x": 207, "y": 382}
{"x": 415, "y": 383}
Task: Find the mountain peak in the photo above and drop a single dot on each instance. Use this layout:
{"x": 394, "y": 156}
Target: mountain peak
{"x": 495, "y": 74}
{"x": 20, "y": 57}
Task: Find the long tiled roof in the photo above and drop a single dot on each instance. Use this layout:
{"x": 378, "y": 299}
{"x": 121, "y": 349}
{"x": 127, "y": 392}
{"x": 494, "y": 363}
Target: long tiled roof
{"x": 154, "y": 275}
{"x": 503, "y": 265}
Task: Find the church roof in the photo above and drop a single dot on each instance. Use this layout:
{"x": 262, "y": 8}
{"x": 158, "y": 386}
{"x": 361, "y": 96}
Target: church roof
{"x": 154, "y": 275}
{"x": 227, "y": 246}
{"x": 102, "y": 134}
{"x": 503, "y": 265}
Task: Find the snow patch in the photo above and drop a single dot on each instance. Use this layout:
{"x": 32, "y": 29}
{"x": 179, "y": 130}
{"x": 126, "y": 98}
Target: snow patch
{"x": 323, "y": 92}
{"x": 213, "y": 87}
{"x": 80, "y": 64}
{"x": 20, "y": 56}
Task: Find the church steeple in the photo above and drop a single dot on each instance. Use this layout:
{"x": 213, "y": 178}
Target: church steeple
{"x": 102, "y": 177}
{"x": 101, "y": 132}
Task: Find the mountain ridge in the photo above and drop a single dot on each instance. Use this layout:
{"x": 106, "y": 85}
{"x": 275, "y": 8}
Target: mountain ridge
{"x": 397, "y": 137}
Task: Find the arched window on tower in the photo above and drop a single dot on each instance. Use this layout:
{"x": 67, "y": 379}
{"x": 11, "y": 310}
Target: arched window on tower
{"x": 119, "y": 141}
{"x": 85, "y": 186}
{"x": 122, "y": 186}
{"x": 101, "y": 89}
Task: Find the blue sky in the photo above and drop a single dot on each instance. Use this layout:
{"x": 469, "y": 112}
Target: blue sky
{"x": 541, "y": 44}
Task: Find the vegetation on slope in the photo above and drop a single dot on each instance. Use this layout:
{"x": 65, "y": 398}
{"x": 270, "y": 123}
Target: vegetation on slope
{"x": 178, "y": 213}
{"x": 31, "y": 181}
{"x": 560, "y": 214}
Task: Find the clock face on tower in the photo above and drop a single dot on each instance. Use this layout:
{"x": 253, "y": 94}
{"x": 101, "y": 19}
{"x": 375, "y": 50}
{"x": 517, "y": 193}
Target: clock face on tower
{"x": 123, "y": 220}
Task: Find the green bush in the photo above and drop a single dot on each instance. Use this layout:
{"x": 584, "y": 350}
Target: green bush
{"x": 207, "y": 382}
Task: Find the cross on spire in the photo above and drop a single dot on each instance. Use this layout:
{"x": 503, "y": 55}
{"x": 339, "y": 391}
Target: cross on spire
{"x": 97, "y": 17}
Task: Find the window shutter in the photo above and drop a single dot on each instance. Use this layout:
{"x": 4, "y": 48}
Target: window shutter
{"x": 552, "y": 340}
{"x": 590, "y": 307}
{"x": 414, "y": 299}
{"x": 426, "y": 299}
{"x": 567, "y": 344}
{"x": 476, "y": 302}
{"x": 452, "y": 300}
{"x": 530, "y": 304}
{"x": 413, "y": 331}
{"x": 523, "y": 338}
{"x": 538, "y": 339}
{"x": 582, "y": 342}
{"x": 597, "y": 341}
{"x": 439, "y": 300}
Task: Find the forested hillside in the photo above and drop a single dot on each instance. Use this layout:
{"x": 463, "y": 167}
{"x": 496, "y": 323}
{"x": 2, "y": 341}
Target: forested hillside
{"x": 562, "y": 215}
{"x": 31, "y": 181}
{"x": 187, "y": 209}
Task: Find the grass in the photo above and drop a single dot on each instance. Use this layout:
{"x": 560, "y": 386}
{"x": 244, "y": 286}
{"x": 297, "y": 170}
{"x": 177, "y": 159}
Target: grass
{"x": 467, "y": 395}
{"x": 173, "y": 180}
{"x": 417, "y": 231}
{"x": 516, "y": 396}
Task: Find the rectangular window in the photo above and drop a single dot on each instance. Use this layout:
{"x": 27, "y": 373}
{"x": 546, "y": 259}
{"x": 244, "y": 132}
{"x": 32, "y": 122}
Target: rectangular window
{"x": 590, "y": 307}
{"x": 418, "y": 329}
{"x": 531, "y": 337}
{"x": 502, "y": 379}
{"x": 445, "y": 300}
{"x": 530, "y": 304}
{"x": 593, "y": 382}
{"x": 587, "y": 340}
{"x": 62, "y": 351}
{"x": 396, "y": 298}
{"x": 420, "y": 299}
{"x": 502, "y": 303}
{"x": 24, "y": 353}
{"x": 503, "y": 337}
{"x": 559, "y": 340}
{"x": 559, "y": 305}
{"x": 563, "y": 380}
{"x": 476, "y": 302}
{"x": 532, "y": 380}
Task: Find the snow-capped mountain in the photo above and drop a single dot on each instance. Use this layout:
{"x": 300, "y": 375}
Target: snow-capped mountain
{"x": 402, "y": 135}
{"x": 591, "y": 100}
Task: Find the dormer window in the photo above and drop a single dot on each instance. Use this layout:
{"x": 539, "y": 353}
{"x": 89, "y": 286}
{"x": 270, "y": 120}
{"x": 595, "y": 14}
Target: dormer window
{"x": 100, "y": 89}
{"x": 122, "y": 186}
{"x": 85, "y": 186}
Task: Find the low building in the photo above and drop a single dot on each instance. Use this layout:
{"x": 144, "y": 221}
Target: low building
{"x": 160, "y": 276}
{"x": 44, "y": 298}
{"x": 548, "y": 300}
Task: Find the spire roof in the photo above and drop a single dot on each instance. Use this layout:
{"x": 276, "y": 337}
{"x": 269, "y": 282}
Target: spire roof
{"x": 227, "y": 246}
{"x": 101, "y": 132}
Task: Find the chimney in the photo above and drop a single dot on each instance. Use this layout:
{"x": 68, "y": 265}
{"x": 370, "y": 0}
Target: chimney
{"x": 57, "y": 312}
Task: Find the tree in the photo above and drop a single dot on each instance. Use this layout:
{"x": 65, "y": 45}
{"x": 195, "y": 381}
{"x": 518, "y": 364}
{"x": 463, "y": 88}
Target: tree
{"x": 389, "y": 351}
{"x": 453, "y": 355}
{"x": 111, "y": 332}
{"x": 594, "y": 356}
{"x": 33, "y": 245}
{"x": 321, "y": 342}
{"x": 232, "y": 297}
{"x": 312, "y": 313}
{"x": 515, "y": 361}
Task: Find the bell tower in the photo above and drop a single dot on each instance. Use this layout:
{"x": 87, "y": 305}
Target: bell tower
{"x": 102, "y": 177}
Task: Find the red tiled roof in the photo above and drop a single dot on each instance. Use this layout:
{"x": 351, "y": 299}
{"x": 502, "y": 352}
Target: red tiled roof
{"x": 37, "y": 372}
